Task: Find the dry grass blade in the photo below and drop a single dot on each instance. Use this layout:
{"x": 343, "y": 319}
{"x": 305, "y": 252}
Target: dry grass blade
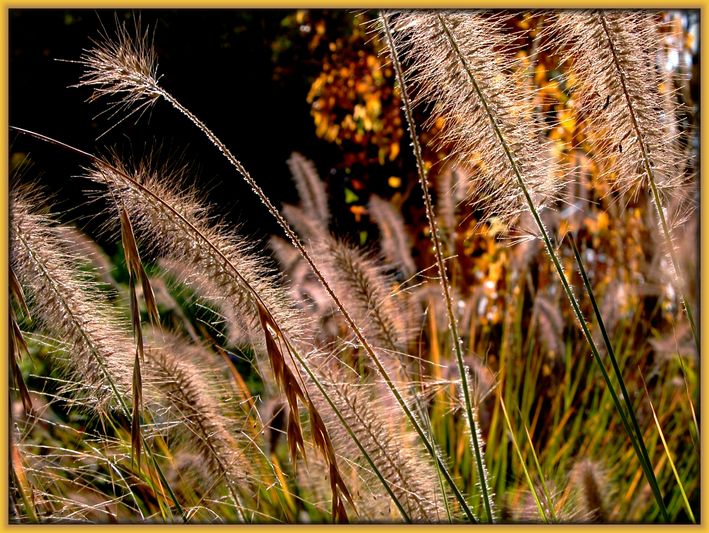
{"x": 337, "y": 484}
{"x": 136, "y": 271}
{"x": 286, "y": 380}
{"x": 18, "y": 345}
{"x": 18, "y": 294}
{"x": 137, "y": 389}
{"x": 135, "y": 266}
{"x": 22, "y": 483}
{"x": 294, "y": 392}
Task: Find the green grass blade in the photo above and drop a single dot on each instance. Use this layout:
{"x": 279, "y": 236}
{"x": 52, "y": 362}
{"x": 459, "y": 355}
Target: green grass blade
{"x": 669, "y": 457}
{"x": 640, "y": 442}
{"x": 547, "y": 495}
{"x": 532, "y": 488}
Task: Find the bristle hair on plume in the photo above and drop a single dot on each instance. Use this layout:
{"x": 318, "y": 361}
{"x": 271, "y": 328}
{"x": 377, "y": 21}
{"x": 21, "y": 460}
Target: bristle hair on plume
{"x": 450, "y": 193}
{"x": 372, "y": 303}
{"x": 191, "y": 393}
{"x": 623, "y": 92}
{"x": 394, "y": 450}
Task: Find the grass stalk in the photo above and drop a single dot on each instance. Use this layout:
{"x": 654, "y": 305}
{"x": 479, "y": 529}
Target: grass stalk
{"x": 545, "y": 489}
{"x": 685, "y": 501}
{"x": 443, "y": 278}
{"x": 532, "y": 489}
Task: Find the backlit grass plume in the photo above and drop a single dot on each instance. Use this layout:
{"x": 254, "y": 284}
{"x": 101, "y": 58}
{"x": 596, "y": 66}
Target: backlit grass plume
{"x": 623, "y": 91}
{"x": 193, "y": 394}
{"x": 63, "y": 303}
{"x": 393, "y": 237}
{"x": 356, "y": 382}
{"x": 123, "y": 69}
{"x": 372, "y": 302}
{"x": 472, "y": 46}
{"x": 391, "y": 446}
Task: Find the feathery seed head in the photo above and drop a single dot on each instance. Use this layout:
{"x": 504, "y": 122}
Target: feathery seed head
{"x": 391, "y": 446}
{"x": 122, "y": 67}
{"x": 592, "y": 490}
{"x": 311, "y": 189}
{"x": 183, "y": 230}
{"x": 371, "y": 299}
{"x": 393, "y": 236}
{"x": 194, "y": 394}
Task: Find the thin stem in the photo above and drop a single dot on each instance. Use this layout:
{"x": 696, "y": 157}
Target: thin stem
{"x": 687, "y": 507}
{"x": 443, "y": 277}
{"x": 532, "y": 489}
{"x": 545, "y": 489}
